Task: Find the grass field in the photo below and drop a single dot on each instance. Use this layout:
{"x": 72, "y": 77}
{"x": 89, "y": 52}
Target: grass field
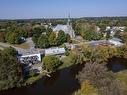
{"x": 23, "y": 45}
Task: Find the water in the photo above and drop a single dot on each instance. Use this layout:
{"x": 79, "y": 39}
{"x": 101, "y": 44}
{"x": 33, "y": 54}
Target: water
{"x": 117, "y": 64}
{"x": 62, "y": 82}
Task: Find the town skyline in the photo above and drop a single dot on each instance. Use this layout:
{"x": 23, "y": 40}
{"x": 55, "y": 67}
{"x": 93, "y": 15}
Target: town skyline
{"x": 60, "y": 8}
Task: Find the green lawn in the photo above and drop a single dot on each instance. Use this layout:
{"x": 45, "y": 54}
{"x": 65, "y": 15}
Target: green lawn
{"x": 66, "y": 62}
{"x": 32, "y": 80}
{"x": 23, "y": 45}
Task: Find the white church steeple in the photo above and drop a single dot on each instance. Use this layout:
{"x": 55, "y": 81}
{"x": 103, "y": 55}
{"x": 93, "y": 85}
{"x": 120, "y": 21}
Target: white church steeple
{"x": 68, "y": 22}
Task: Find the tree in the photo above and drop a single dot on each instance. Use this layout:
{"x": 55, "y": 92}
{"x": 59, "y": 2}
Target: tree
{"x": 13, "y": 38}
{"x": 90, "y": 35}
{"x": 98, "y": 53}
{"x": 86, "y": 89}
{"x": 2, "y": 36}
{"x": 10, "y": 38}
{"x": 51, "y": 63}
{"x": 122, "y": 51}
{"x": 43, "y": 41}
{"x": 35, "y": 39}
{"x": 48, "y": 31}
{"x": 100, "y": 77}
{"x": 61, "y": 37}
{"x": 68, "y": 38}
{"x": 108, "y": 33}
{"x": 21, "y": 32}
{"x": 10, "y": 51}
{"x": 52, "y": 39}
{"x": 124, "y": 37}
{"x": 10, "y": 69}
{"x": 38, "y": 31}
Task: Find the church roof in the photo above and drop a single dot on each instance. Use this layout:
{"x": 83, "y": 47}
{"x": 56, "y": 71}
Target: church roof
{"x": 61, "y": 27}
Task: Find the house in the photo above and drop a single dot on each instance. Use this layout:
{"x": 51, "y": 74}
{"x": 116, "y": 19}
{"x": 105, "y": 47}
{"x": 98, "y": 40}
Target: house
{"x": 30, "y": 59}
{"x": 55, "y": 51}
{"x": 116, "y": 41}
{"x": 122, "y": 28}
{"x": 113, "y": 41}
{"x": 98, "y": 28}
{"x": 108, "y": 28}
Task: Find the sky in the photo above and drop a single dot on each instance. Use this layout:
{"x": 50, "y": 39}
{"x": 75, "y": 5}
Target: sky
{"x": 27, "y": 9}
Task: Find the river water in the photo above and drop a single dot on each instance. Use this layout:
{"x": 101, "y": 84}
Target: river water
{"x": 62, "y": 82}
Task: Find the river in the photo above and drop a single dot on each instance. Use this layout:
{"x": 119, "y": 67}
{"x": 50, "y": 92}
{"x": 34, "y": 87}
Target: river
{"x": 63, "y": 82}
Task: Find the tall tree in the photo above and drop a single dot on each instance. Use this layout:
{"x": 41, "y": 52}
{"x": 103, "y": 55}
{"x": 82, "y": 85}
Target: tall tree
{"x": 100, "y": 77}
{"x": 52, "y": 39}
{"x": 43, "y": 41}
{"x": 61, "y": 37}
{"x": 2, "y": 36}
{"x": 10, "y": 70}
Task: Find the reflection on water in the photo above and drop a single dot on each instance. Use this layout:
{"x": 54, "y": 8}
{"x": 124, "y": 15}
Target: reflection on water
{"x": 117, "y": 64}
{"x": 118, "y": 67}
{"x": 62, "y": 82}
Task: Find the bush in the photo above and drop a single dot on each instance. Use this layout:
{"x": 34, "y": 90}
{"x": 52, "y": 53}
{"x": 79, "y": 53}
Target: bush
{"x": 51, "y": 63}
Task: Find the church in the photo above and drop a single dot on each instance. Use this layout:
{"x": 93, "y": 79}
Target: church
{"x": 66, "y": 28}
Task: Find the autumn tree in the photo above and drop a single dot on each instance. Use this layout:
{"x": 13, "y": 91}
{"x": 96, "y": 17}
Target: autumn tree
{"x": 51, "y": 63}
{"x": 2, "y": 36}
{"x": 101, "y": 78}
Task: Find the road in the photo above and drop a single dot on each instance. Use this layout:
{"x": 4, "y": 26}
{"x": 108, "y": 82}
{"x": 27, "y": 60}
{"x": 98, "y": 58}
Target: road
{"x": 31, "y": 50}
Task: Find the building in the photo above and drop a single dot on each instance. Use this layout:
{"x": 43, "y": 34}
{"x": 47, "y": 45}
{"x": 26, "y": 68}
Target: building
{"x": 54, "y": 51}
{"x": 66, "y": 28}
{"x": 122, "y": 28}
{"x": 112, "y": 42}
{"x": 116, "y": 41}
{"x": 30, "y": 59}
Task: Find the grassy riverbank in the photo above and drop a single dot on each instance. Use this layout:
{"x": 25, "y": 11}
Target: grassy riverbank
{"x": 33, "y": 79}
{"x": 122, "y": 77}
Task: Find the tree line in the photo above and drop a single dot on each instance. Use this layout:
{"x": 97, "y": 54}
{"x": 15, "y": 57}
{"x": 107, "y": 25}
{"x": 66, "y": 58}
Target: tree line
{"x": 49, "y": 38}
{"x": 10, "y": 69}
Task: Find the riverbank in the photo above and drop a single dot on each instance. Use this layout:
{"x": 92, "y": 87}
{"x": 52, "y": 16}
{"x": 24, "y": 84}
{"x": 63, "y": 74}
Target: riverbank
{"x": 62, "y": 82}
{"x": 122, "y": 77}
{"x": 33, "y": 79}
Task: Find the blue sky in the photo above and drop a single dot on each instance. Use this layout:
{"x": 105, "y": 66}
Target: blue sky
{"x": 14, "y": 9}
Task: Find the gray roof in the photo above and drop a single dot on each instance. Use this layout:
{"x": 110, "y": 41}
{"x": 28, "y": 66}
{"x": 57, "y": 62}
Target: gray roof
{"x": 66, "y": 28}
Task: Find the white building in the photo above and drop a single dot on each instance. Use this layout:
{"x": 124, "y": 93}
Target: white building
{"x": 30, "y": 57}
{"x": 122, "y": 28}
{"x": 108, "y": 28}
{"x": 116, "y": 41}
{"x": 66, "y": 28}
{"x": 54, "y": 51}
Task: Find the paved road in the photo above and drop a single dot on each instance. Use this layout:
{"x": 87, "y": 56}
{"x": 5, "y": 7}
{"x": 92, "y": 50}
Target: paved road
{"x": 21, "y": 51}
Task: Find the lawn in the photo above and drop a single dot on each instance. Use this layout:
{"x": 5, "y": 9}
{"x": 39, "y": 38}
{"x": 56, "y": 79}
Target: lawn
{"x": 66, "y": 62}
{"x": 23, "y": 45}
